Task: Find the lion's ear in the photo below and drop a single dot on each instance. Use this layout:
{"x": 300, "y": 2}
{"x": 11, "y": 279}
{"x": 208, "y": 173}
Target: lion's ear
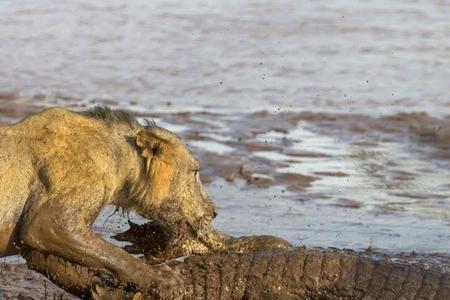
{"x": 155, "y": 141}
{"x": 159, "y": 147}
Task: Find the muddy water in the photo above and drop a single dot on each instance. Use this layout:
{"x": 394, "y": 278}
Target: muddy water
{"x": 353, "y": 172}
{"x": 319, "y": 179}
{"x": 347, "y": 55}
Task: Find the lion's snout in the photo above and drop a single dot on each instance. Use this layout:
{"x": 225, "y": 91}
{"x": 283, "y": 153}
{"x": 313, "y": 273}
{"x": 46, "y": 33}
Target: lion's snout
{"x": 210, "y": 210}
{"x": 209, "y": 215}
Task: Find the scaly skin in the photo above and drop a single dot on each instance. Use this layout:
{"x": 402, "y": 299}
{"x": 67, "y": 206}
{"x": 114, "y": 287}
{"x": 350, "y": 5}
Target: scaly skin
{"x": 298, "y": 273}
{"x": 309, "y": 274}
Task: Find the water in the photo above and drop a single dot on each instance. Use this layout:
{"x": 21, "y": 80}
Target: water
{"x": 352, "y": 177}
{"x": 381, "y": 190}
{"x": 354, "y": 56}
{"x": 369, "y": 187}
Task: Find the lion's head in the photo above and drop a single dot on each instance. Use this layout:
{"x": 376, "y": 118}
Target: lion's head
{"x": 171, "y": 190}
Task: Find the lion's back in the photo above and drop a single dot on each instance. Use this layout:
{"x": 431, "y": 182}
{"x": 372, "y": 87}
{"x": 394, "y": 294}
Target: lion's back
{"x": 57, "y": 142}
{"x": 23, "y": 148}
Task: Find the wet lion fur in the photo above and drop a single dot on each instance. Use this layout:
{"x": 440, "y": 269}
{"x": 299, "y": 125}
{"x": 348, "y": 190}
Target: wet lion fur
{"x": 59, "y": 168}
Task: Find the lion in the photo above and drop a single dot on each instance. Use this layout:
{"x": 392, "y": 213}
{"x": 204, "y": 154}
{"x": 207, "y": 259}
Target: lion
{"x": 59, "y": 168}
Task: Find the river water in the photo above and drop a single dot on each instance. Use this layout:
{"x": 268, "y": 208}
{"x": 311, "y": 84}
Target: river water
{"x": 344, "y": 55}
{"x": 324, "y": 122}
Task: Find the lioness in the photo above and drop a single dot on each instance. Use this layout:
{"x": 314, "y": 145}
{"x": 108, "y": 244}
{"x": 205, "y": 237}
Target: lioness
{"x": 59, "y": 168}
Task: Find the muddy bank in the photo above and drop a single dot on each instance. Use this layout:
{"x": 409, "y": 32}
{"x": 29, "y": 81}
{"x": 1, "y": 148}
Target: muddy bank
{"x": 17, "y": 282}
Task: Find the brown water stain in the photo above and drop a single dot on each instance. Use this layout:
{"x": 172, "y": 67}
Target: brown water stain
{"x": 331, "y": 174}
{"x": 306, "y": 154}
{"x": 6, "y": 95}
{"x": 348, "y": 203}
{"x": 420, "y": 196}
{"x": 295, "y": 181}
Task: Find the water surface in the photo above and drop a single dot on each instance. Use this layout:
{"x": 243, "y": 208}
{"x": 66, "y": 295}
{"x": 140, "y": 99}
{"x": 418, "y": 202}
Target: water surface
{"x": 301, "y": 112}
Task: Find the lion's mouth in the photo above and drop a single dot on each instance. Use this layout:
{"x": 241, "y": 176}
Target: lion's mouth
{"x": 159, "y": 240}
{"x": 186, "y": 233}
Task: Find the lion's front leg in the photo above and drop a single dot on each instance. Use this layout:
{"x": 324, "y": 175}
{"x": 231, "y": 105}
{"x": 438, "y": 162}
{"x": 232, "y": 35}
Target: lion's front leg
{"x": 60, "y": 229}
{"x": 82, "y": 281}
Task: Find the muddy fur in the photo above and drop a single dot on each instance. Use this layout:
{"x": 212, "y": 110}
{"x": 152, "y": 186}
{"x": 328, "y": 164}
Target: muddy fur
{"x": 59, "y": 168}
{"x": 110, "y": 116}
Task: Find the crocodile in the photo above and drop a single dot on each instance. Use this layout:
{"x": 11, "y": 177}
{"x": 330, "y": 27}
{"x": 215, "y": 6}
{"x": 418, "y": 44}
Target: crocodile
{"x": 250, "y": 268}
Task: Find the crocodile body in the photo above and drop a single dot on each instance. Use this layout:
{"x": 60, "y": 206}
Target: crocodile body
{"x": 282, "y": 274}
{"x": 310, "y": 274}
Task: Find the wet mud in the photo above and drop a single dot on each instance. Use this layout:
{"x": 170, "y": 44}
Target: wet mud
{"x": 18, "y": 282}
